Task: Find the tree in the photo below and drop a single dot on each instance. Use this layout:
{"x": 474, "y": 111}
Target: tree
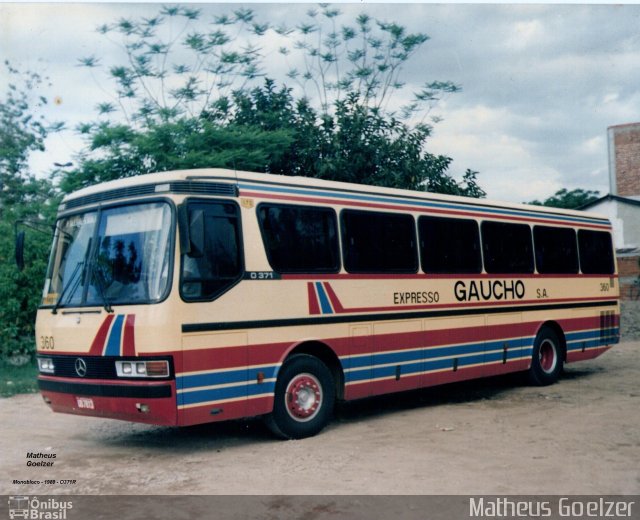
{"x": 22, "y": 131}
{"x": 365, "y": 58}
{"x": 172, "y": 66}
{"x": 22, "y": 196}
{"x": 566, "y": 199}
{"x": 189, "y": 98}
{"x": 183, "y": 144}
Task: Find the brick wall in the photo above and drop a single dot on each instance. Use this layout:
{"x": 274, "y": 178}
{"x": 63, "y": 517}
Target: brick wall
{"x": 628, "y": 266}
{"x": 626, "y": 154}
{"x": 626, "y": 141}
{"x": 628, "y": 272}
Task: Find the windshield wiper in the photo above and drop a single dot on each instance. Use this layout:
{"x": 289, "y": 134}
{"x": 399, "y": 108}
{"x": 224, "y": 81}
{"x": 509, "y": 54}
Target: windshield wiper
{"x": 98, "y": 276}
{"x": 72, "y": 280}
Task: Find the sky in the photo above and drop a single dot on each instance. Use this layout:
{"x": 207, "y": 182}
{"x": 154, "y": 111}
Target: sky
{"x": 540, "y": 83}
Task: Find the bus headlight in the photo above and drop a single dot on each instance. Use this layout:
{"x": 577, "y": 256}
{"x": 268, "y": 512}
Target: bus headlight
{"x": 158, "y": 368}
{"x": 46, "y": 366}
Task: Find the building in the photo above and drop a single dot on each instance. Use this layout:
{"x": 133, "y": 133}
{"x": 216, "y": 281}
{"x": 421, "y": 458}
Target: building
{"x": 622, "y": 204}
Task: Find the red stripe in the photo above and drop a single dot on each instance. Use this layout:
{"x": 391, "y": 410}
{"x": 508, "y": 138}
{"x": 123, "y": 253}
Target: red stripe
{"x": 163, "y": 410}
{"x": 469, "y": 213}
{"x": 578, "y": 355}
{"x": 369, "y": 388}
{"x": 273, "y": 353}
{"x": 128, "y": 341}
{"x": 230, "y": 410}
{"x": 98, "y": 342}
{"x": 314, "y": 308}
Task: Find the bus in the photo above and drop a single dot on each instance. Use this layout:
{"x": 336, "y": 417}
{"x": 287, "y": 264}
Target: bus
{"x": 18, "y": 507}
{"x": 187, "y": 297}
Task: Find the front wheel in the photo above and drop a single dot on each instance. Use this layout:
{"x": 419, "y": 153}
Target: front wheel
{"x": 304, "y": 398}
{"x": 547, "y": 359}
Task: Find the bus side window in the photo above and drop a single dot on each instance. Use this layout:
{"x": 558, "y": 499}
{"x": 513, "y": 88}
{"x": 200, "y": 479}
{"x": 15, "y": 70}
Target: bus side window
{"x": 208, "y": 273}
{"x": 449, "y": 245}
{"x": 596, "y": 252}
{"x": 556, "y": 250}
{"x": 299, "y": 239}
{"x": 507, "y": 247}
{"x": 374, "y": 242}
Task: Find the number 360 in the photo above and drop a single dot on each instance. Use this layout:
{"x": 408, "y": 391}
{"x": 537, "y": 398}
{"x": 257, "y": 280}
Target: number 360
{"x": 46, "y": 343}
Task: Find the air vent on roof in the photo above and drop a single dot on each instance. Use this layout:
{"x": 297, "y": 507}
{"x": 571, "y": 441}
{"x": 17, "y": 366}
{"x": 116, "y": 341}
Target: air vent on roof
{"x": 184, "y": 187}
{"x": 204, "y": 188}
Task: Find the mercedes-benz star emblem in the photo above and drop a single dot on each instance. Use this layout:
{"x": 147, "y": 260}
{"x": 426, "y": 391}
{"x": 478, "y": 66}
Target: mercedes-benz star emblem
{"x": 81, "y": 367}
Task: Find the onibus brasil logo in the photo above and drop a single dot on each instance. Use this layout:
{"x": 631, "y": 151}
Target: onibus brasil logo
{"x": 38, "y": 509}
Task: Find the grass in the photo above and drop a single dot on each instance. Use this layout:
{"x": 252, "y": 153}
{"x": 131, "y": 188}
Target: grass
{"x": 18, "y": 380}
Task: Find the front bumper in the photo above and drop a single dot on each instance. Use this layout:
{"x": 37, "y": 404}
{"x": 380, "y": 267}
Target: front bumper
{"x": 152, "y": 402}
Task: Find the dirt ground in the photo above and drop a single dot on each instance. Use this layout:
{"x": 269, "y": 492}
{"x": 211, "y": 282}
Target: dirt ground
{"x": 496, "y": 436}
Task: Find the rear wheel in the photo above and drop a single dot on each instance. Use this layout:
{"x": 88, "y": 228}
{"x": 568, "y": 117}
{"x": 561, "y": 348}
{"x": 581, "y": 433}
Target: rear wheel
{"x": 547, "y": 359}
{"x": 304, "y": 398}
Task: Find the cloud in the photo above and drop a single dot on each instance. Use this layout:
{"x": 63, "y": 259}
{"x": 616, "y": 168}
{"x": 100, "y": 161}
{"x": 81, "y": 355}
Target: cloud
{"x": 541, "y": 83}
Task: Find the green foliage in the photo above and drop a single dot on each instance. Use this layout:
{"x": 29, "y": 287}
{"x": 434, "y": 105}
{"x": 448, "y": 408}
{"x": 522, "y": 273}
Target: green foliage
{"x": 201, "y": 107}
{"x": 22, "y": 197}
{"x": 18, "y": 379}
{"x": 566, "y": 199}
{"x": 364, "y": 58}
{"x": 266, "y": 130}
{"x": 181, "y": 144}
{"x": 152, "y": 87}
{"x": 21, "y": 132}
{"x": 20, "y": 291}
{"x": 340, "y": 119}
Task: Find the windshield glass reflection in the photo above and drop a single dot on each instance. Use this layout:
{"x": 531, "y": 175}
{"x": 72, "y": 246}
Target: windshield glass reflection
{"x": 129, "y": 262}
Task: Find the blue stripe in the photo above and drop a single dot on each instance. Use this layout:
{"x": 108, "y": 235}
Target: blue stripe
{"x": 382, "y": 359}
{"x": 575, "y": 336}
{"x": 412, "y": 368}
{"x": 390, "y": 371}
{"x": 455, "y": 350}
{"x": 448, "y": 363}
{"x": 369, "y": 366}
{"x": 512, "y": 344}
{"x": 598, "y": 342}
{"x": 217, "y": 394}
{"x": 324, "y": 300}
{"x": 113, "y": 345}
{"x": 514, "y": 350}
{"x": 226, "y": 377}
{"x": 511, "y": 354}
{"x": 587, "y": 344}
{"x": 436, "y": 205}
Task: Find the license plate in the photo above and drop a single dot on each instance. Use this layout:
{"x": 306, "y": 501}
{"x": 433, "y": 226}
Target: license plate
{"x": 85, "y": 402}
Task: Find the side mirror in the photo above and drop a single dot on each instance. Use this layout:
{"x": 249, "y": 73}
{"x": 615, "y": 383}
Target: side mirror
{"x": 20, "y": 250}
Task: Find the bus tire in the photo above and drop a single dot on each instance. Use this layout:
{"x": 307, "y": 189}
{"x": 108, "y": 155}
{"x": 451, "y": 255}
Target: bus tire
{"x": 304, "y": 398}
{"x": 546, "y": 359}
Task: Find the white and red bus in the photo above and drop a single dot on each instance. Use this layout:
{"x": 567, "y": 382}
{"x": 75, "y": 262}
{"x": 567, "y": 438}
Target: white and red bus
{"x": 187, "y": 297}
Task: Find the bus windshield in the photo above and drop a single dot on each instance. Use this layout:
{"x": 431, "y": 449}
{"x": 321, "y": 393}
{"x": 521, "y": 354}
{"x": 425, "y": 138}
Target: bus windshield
{"x": 119, "y": 255}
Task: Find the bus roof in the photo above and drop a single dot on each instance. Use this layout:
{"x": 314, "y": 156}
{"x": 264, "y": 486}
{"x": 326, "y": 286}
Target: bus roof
{"x": 234, "y": 177}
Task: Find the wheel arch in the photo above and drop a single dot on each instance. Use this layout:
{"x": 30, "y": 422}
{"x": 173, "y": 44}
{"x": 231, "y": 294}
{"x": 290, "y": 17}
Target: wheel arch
{"x": 327, "y": 355}
{"x": 555, "y": 327}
